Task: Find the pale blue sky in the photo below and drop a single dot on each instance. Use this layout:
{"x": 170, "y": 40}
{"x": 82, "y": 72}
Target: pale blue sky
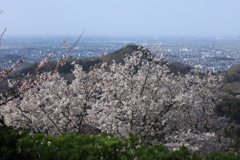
{"x": 121, "y": 17}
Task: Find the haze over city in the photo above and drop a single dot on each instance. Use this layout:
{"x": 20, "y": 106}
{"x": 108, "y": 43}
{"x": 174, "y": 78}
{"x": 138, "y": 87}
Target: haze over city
{"x": 121, "y": 18}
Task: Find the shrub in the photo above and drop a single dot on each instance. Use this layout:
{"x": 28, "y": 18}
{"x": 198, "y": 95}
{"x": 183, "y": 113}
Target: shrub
{"x": 20, "y": 145}
{"x": 8, "y": 138}
{"x": 74, "y": 146}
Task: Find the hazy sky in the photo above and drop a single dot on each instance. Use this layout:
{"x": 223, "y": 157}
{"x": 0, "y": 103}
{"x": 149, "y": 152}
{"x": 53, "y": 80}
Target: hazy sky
{"x": 121, "y": 17}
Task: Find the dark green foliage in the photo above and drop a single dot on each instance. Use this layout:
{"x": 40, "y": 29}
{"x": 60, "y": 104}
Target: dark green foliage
{"x": 21, "y": 146}
{"x": 104, "y": 146}
{"x": 232, "y": 74}
{"x": 232, "y": 78}
{"x": 151, "y": 152}
{"x": 160, "y": 152}
{"x": 184, "y": 154}
{"x": 74, "y": 146}
{"x": 223, "y": 156}
{"x": 230, "y": 104}
{"x": 230, "y": 107}
{"x": 177, "y": 67}
{"x": 8, "y": 141}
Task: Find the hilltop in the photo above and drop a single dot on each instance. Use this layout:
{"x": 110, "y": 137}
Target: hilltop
{"x": 119, "y": 55}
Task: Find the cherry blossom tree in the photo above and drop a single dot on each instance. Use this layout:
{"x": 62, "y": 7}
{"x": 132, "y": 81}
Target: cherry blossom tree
{"x": 53, "y": 106}
{"x": 139, "y": 96}
{"x": 142, "y": 97}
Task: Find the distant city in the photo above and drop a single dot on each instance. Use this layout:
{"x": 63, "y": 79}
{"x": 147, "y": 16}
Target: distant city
{"x": 206, "y": 54}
